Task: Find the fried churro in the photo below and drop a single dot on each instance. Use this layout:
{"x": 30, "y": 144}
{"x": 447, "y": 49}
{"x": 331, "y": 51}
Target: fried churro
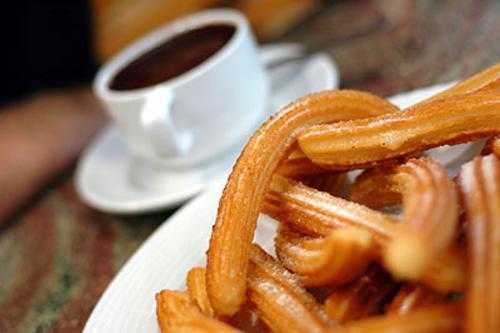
{"x": 228, "y": 253}
{"x": 317, "y": 213}
{"x": 366, "y": 142}
{"x": 429, "y": 224}
{"x": 279, "y": 298}
{"x": 336, "y": 259}
{"x": 177, "y": 312}
{"x": 480, "y": 185}
{"x": 196, "y": 286}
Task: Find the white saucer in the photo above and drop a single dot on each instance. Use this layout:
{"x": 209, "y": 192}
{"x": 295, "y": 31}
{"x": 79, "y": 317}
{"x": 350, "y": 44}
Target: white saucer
{"x": 103, "y": 177}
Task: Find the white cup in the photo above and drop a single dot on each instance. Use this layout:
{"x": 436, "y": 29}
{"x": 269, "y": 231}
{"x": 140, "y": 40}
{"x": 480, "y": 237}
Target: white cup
{"x": 199, "y": 114}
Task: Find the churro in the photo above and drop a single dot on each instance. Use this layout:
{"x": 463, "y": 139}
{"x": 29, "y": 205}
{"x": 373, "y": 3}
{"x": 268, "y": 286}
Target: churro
{"x": 366, "y": 142}
{"x": 430, "y": 217}
{"x": 228, "y": 253}
{"x": 279, "y": 298}
{"x": 177, "y": 312}
{"x": 317, "y": 213}
{"x": 336, "y": 259}
{"x": 480, "y": 185}
{"x": 196, "y": 286}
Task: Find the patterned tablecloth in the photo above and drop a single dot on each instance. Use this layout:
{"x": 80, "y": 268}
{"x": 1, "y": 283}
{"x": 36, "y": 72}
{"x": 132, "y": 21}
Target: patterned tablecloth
{"x": 58, "y": 256}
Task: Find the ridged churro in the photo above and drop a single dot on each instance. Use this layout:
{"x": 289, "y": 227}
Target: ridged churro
{"x": 480, "y": 185}
{"x": 197, "y": 288}
{"x": 429, "y": 224}
{"x": 366, "y": 142}
{"x": 279, "y": 298}
{"x": 177, "y": 312}
{"x": 317, "y": 213}
{"x": 228, "y": 253}
{"x": 336, "y": 259}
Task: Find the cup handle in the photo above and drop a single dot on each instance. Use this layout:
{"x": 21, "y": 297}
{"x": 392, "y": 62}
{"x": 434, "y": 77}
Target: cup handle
{"x": 166, "y": 140}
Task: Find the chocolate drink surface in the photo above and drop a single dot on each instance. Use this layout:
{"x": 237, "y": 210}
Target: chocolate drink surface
{"x": 174, "y": 57}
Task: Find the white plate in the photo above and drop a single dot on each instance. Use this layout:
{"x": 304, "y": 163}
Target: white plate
{"x": 104, "y": 179}
{"x": 180, "y": 243}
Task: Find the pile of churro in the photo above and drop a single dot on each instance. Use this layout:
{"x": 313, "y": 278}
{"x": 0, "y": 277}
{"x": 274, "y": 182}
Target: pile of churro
{"x": 402, "y": 247}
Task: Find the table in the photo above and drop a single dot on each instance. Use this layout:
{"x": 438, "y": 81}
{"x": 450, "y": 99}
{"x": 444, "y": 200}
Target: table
{"x": 57, "y": 256}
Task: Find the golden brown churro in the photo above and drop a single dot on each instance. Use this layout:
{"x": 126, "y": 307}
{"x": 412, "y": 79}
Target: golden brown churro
{"x": 480, "y": 185}
{"x": 362, "y": 298}
{"x": 177, "y": 312}
{"x": 487, "y": 81}
{"x": 227, "y": 258}
{"x": 196, "y": 286}
{"x": 430, "y": 218}
{"x": 280, "y": 300}
{"x": 317, "y": 213}
{"x": 421, "y": 210}
{"x": 336, "y": 259}
{"x": 365, "y": 142}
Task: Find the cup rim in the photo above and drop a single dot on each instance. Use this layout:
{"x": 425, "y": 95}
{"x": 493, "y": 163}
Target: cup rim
{"x": 111, "y": 68}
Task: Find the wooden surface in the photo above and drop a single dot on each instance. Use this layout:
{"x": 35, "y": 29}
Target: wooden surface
{"x": 57, "y": 256}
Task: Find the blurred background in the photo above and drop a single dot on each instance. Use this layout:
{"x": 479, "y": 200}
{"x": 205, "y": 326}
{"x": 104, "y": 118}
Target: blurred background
{"x": 56, "y": 254}
{"x": 63, "y": 42}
